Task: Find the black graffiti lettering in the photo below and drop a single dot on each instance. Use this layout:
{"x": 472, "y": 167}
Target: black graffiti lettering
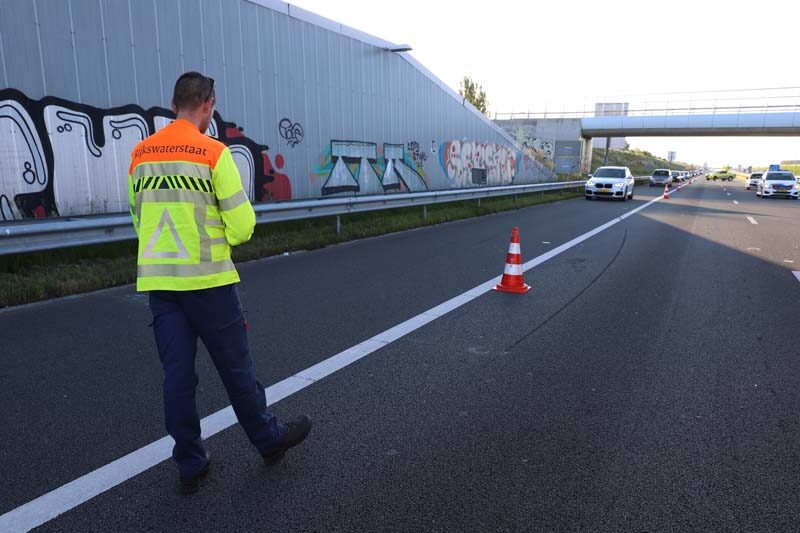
{"x": 46, "y": 132}
{"x": 293, "y": 133}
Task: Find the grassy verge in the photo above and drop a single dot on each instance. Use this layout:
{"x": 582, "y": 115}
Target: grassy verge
{"x": 26, "y": 278}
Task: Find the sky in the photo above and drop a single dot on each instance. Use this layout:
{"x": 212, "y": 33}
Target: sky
{"x": 567, "y": 55}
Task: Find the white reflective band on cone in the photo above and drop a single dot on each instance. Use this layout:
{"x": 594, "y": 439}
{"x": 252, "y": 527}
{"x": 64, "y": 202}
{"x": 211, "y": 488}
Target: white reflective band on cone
{"x": 513, "y": 270}
{"x": 513, "y": 248}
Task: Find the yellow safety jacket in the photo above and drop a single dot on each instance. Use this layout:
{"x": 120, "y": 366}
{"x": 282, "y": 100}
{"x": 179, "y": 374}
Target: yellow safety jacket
{"x": 188, "y": 208}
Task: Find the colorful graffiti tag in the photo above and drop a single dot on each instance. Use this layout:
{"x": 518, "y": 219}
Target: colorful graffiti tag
{"x": 540, "y": 148}
{"x": 459, "y": 158}
{"x": 64, "y": 158}
{"x": 362, "y": 168}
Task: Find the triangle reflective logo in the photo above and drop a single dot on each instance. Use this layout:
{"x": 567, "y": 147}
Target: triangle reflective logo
{"x": 160, "y": 246}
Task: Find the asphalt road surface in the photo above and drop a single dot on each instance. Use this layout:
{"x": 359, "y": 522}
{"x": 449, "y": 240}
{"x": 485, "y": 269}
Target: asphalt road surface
{"x": 649, "y": 381}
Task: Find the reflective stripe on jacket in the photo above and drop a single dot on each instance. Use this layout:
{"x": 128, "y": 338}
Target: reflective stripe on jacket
{"x": 188, "y": 208}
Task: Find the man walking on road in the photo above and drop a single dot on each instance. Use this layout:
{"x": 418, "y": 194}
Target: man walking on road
{"x": 189, "y": 208}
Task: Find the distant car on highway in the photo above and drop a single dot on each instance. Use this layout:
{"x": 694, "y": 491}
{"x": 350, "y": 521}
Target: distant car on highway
{"x": 777, "y": 183}
{"x": 753, "y": 179}
{"x": 723, "y": 175}
{"x": 676, "y": 176}
{"x": 610, "y": 182}
{"x": 660, "y": 176}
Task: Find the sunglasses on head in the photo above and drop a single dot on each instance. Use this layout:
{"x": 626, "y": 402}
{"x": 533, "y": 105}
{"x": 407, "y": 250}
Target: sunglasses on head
{"x": 210, "y": 90}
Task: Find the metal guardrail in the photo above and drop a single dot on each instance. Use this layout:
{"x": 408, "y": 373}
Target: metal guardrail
{"x": 64, "y": 232}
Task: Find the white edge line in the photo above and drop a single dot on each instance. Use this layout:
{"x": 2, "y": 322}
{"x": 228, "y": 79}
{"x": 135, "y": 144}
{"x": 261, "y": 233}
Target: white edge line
{"x": 796, "y": 274}
{"x": 66, "y": 497}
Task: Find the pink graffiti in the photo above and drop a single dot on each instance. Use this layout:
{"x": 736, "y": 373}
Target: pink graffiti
{"x": 460, "y": 157}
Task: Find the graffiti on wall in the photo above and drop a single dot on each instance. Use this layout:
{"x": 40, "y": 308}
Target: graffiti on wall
{"x": 540, "y": 148}
{"x": 459, "y": 158}
{"x": 363, "y": 168}
{"x": 418, "y": 156}
{"x": 291, "y": 132}
{"x": 64, "y": 158}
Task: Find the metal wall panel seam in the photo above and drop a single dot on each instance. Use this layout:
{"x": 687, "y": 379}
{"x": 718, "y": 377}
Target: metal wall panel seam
{"x": 39, "y": 42}
{"x": 260, "y": 79}
{"x": 105, "y": 49}
{"x": 274, "y": 65}
{"x": 241, "y": 58}
{"x": 3, "y": 61}
{"x": 158, "y": 56}
{"x": 221, "y": 27}
{"x": 317, "y": 65}
{"x": 74, "y": 50}
{"x": 133, "y": 54}
{"x": 315, "y": 49}
{"x": 180, "y": 35}
{"x": 202, "y": 37}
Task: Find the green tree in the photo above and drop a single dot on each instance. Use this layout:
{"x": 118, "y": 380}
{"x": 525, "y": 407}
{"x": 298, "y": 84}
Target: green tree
{"x": 474, "y": 94}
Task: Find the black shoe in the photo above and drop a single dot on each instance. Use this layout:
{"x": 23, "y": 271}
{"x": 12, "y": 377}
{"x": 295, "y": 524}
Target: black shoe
{"x": 296, "y": 432}
{"x": 190, "y": 485}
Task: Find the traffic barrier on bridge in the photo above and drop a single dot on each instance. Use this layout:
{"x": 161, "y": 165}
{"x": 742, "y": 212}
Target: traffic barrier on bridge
{"x": 513, "y": 280}
{"x": 666, "y": 192}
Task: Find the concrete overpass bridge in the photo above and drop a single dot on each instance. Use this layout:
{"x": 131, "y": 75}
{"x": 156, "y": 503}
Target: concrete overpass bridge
{"x": 566, "y": 135}
{"x": 723, "y": 124}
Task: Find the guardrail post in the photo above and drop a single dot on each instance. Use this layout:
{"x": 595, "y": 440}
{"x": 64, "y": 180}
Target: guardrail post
{"x": 425, "y": 211}
{"x": 338, "y": 225}
{"x": 479, "y": 203}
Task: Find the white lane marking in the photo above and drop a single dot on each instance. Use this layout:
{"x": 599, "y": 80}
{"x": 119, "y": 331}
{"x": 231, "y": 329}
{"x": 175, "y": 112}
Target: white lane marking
{"x": 58, "y": 501}
{"x": 754, "y": 249}
{"x": 752, "y": 220}
{"x": 735, "y": 202}
{"x": 797, "y": 275}
{"x": 545, "y": 242}
{"x": 728, "y": 193}
{"x": 788, "y": 261}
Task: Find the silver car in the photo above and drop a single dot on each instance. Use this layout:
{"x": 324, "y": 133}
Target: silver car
{"x": 753, "y": 179}
{"x": 660, "y": 176}
{"x": 610, "y": 182}
{"x": 777, "y": 183}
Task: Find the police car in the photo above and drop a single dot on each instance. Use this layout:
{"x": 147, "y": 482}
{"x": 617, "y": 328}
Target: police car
{"x": 780, "y": 183}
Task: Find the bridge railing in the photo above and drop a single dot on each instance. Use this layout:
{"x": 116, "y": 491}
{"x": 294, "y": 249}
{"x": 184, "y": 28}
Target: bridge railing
{"x": 63, "y": 232}
{"x": 724, "y": 102}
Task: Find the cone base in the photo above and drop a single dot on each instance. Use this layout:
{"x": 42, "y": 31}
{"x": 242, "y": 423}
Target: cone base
{"x": 513, "y": 289}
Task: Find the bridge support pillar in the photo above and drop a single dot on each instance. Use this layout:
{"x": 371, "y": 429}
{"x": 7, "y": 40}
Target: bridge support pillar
{"x": 586, "y": 156}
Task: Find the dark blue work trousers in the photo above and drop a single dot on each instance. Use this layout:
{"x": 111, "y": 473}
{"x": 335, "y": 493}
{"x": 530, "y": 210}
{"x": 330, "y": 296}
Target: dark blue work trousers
{"x": 215, "y": 316}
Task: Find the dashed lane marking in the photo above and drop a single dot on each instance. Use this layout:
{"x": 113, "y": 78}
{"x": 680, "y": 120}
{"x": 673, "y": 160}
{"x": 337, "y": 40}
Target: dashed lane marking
{"x": 735, "y": 202}
{"x": 752, "y": 220}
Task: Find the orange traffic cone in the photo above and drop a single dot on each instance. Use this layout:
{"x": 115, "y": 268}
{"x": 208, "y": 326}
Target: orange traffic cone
{"x": 666, "y": 192}
{"x": 513, "y": 280}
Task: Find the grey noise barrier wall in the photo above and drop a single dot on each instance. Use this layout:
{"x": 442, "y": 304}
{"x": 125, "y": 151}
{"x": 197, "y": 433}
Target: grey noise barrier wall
{"x": 310, "y": 108}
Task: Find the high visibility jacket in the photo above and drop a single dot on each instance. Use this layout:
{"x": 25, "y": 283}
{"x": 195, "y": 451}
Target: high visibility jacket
{"x": 188, "y": 208}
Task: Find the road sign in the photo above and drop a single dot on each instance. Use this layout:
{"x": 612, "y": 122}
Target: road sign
{"x": 671, "y": 156}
